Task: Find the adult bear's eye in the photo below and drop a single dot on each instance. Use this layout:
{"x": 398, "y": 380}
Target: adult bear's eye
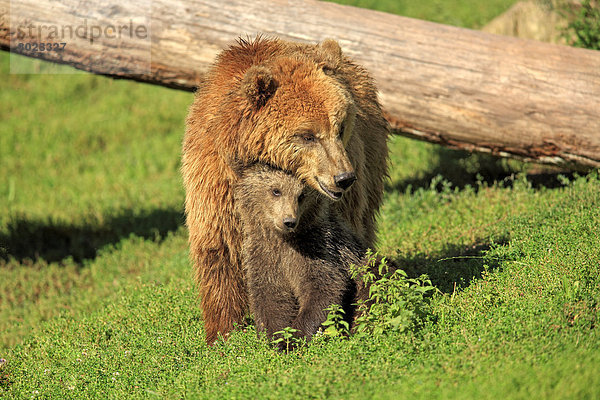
{"x": 308, "y": 137}
{"x": 276, "y": 192}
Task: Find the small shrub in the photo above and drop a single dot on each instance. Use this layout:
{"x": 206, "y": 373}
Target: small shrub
{"x": 335, "y": 325}
{"x": 396, "y": 303}
{"x": 286, "y": 339}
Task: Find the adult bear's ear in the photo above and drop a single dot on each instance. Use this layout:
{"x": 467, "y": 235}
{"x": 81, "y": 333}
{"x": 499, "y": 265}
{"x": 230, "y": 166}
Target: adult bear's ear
{"x": 258, "y": 85}
{"x": 331, "y": 55}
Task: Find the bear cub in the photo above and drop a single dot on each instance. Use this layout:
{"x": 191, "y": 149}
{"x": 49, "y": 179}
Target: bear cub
{"x": 296, "y": 253}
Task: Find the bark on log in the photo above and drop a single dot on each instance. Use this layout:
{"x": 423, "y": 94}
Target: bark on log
{"x": 456, "y": 87}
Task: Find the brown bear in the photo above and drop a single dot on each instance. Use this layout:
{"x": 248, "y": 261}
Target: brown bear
{"x": 303, "y": 108}
{"x": 296, "y": 255}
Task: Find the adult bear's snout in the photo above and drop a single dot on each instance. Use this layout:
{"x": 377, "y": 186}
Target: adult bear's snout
{"x": 345, "y": 180}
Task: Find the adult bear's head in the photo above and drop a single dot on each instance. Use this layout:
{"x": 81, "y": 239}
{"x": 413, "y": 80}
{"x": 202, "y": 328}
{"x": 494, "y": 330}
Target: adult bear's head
{"x": 297, "y": 115}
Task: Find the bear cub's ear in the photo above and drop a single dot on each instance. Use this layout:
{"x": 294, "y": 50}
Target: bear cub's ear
{"x": 331, "y": 54}
{"x": 237, "y": 165}
{"x": 258, "y": 85}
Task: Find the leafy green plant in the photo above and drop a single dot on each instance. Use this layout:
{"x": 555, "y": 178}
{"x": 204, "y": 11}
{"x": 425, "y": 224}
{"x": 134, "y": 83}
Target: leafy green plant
{"x": 335, "y": 325}
{"x": 287, "y": 339}
{"x": 396, "y": 303}
{"x": 583, "y": 29}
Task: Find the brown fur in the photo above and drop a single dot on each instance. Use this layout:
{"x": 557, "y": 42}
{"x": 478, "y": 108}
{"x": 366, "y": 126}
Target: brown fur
{"x": 303, "y": 108}
{"x": 293, "y": 272}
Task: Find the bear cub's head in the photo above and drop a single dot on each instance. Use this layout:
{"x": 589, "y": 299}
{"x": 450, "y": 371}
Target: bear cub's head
{"x": 271, "y": 199}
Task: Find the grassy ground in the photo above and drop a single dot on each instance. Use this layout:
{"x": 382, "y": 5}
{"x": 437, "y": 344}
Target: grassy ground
{"x": 466, "y": 13}
{"x": 96, "y": 296}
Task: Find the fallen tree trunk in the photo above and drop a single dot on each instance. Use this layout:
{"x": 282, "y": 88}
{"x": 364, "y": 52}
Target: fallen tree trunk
{"x": 456, "y": 87}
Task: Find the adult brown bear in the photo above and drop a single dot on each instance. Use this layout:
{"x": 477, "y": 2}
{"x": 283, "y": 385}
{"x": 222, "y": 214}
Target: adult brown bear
{"x": 306, "y": 109}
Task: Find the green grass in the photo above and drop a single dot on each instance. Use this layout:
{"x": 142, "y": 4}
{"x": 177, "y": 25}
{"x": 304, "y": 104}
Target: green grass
{"x": 465, "y": 13}
{"x": 97, "y": 300}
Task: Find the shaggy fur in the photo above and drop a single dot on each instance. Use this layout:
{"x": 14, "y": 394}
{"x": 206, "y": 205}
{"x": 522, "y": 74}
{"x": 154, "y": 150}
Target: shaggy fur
{"x": 303, "y": 108}
{"x": 296, "y": 255}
